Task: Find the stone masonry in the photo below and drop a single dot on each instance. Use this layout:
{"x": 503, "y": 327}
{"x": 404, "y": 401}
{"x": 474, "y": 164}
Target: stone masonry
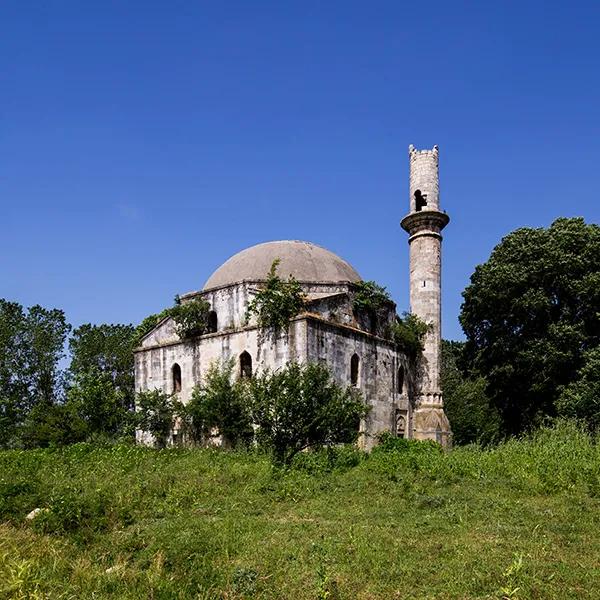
{"x": 424, "y": 226}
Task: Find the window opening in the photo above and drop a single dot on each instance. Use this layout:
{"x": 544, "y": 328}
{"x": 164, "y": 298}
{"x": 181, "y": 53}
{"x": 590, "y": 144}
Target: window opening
{"x": 176, "y": 376}
{"x": 245, "y": 365}
{"x": 354, "y": 361}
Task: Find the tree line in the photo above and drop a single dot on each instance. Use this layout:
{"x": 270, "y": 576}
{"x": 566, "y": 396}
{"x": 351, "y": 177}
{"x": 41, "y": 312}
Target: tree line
{"x": 530, "y": 314}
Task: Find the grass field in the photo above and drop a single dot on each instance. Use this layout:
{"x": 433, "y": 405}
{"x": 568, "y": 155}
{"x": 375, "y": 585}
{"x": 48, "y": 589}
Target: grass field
{"x": 518, "y": 521}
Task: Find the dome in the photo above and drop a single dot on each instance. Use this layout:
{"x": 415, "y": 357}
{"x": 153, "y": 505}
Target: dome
{"x": 305, "y": 261}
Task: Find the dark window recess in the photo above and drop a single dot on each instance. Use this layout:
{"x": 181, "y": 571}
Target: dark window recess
{"x": 400, "y": 380}
{"x": 245, "y": 365}
{"x": 420, "y": 200}
{"x": 212, "y": 322}
{"x": 176, "y": 373}
{"x": 354, "y": 361}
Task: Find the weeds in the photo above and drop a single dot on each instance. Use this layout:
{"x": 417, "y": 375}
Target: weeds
{"x": 516, "y": 521}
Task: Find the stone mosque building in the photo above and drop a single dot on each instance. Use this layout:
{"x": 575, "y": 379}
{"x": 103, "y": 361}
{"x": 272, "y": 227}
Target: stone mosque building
{"x": 402, "y": 401}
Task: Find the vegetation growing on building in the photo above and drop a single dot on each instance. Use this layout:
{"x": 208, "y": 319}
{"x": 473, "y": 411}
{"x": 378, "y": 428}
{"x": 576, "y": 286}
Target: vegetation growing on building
{"x": 191, "y": 319}
{"x": 278, "y": 302}
{"x": 408, "y": 332}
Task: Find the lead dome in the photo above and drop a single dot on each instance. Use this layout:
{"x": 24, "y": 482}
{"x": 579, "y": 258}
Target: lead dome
{"x": 305, "y": 261}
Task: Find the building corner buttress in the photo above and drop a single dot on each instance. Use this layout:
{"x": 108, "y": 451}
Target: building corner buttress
{"x": 424, "y": 224}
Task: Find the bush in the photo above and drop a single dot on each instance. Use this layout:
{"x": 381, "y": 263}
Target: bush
{"x": 219, "y": 405}
{"x": 191, "y": 318}
{"x": 301, "y": 407}
{"x": 581, "y": 398}
{"x": 408, "y": 333}
{"x": 277, "y": 302}
{"x": 155, "y": 414}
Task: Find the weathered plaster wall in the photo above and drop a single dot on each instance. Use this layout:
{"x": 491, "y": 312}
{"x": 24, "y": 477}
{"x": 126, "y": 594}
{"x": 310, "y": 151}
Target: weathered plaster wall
{"x": 378, "y": 370}
{"x": 153, "y": 365}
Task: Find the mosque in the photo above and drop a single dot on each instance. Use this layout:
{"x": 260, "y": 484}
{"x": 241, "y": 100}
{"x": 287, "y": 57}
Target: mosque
{"x": 404, "y": 396}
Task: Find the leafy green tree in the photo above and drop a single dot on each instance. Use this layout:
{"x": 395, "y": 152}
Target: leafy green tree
{"x": 52, "y": 425}
{"x": 530, "y": 313}
{"x": 191, "y": 319}
{"x": 99, "y": 404}
{"x": 581, "y": 398}
{"x": 278, "y": 302}
{"x": 301, "y": 407}
{"x": 466, "y": 403}
{"x": 31, "y": 348}
{"x": 14, "y": 390}
{"x": 46, "y": 331}
{"x": 220, "y": 405}
{"x": 156, "y": 412}
{"x": 104, "y": 352}
{"x": 148, "y": 324}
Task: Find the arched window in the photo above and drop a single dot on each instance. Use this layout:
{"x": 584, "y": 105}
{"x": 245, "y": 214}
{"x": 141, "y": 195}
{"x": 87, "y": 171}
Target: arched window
{"x": 420, "y": 200}
{"x": 245, "y": 365}
{"x": 176, "y": 376}
{"x": 400, "y": 380}
{"x": 400, "y": 423}
{"x": 212, "y": 322}
{"x": 354, "y": 361}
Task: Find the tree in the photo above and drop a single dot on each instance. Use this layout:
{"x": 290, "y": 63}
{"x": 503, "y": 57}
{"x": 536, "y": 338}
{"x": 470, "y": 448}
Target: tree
{"x": 156, "y": 412}
{"x": 106, "y": 351}
{"x": 148, "y": 324}
{"x": 301, "y": 407}
{"x": 14, "y": 390}
{"x": 220, "y": 405}
{"x": 466, "y": 403}
{"x": 46, "y": 331}
{"x": 530, "y": 313}
{"x": 52, "y": 425}
{"x": 99, "y": 404}
{"x": 581, "y": 398}
{"x": 31, "y": 348}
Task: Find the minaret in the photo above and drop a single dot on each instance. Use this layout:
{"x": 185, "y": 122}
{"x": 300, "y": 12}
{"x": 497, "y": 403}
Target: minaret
{"x": 424, "y": 224}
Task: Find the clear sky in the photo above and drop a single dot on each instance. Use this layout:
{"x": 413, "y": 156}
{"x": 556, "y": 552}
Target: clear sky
{"x": 143, "y": 143}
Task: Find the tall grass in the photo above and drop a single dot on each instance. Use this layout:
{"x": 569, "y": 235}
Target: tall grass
{"x": 407, "y": 521}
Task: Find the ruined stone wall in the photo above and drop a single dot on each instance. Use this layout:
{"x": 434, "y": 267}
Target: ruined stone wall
{"x": 154, "y": 364}
{"x": 377, "y": 377}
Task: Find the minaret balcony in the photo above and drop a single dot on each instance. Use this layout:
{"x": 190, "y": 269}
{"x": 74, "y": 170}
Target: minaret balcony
{"x": 425, "y": 221}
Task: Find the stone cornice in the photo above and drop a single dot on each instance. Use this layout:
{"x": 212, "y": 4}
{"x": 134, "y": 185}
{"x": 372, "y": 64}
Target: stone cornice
{"x": 425, "y": 221}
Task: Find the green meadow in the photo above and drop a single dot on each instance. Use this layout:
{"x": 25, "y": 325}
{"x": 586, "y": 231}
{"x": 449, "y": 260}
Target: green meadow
{"x": 519, "y": 520}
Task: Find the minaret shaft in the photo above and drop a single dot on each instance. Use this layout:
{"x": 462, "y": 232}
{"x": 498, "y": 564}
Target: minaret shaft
{"x": 424, "y": 224}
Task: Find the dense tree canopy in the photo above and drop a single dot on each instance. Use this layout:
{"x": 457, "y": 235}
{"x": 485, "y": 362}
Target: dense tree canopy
{"x": 530, "y": 314}
{"x": 31, "y": 348}
{"x": 472, "y": 418}
{"x": 107, "y": 350}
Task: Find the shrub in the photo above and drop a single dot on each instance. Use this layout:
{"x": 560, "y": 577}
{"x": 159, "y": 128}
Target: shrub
{"x": 191, "y": 318}
{"x": 408, "y": 333}
{"x": 301, "y": 407}
{"x": 277, "y": 302}
{"x": 219, "y": 404}
{"x": 155, "y": 414}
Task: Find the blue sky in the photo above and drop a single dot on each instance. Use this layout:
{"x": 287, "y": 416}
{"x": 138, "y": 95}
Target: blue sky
{"x": 143, "y": 143}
